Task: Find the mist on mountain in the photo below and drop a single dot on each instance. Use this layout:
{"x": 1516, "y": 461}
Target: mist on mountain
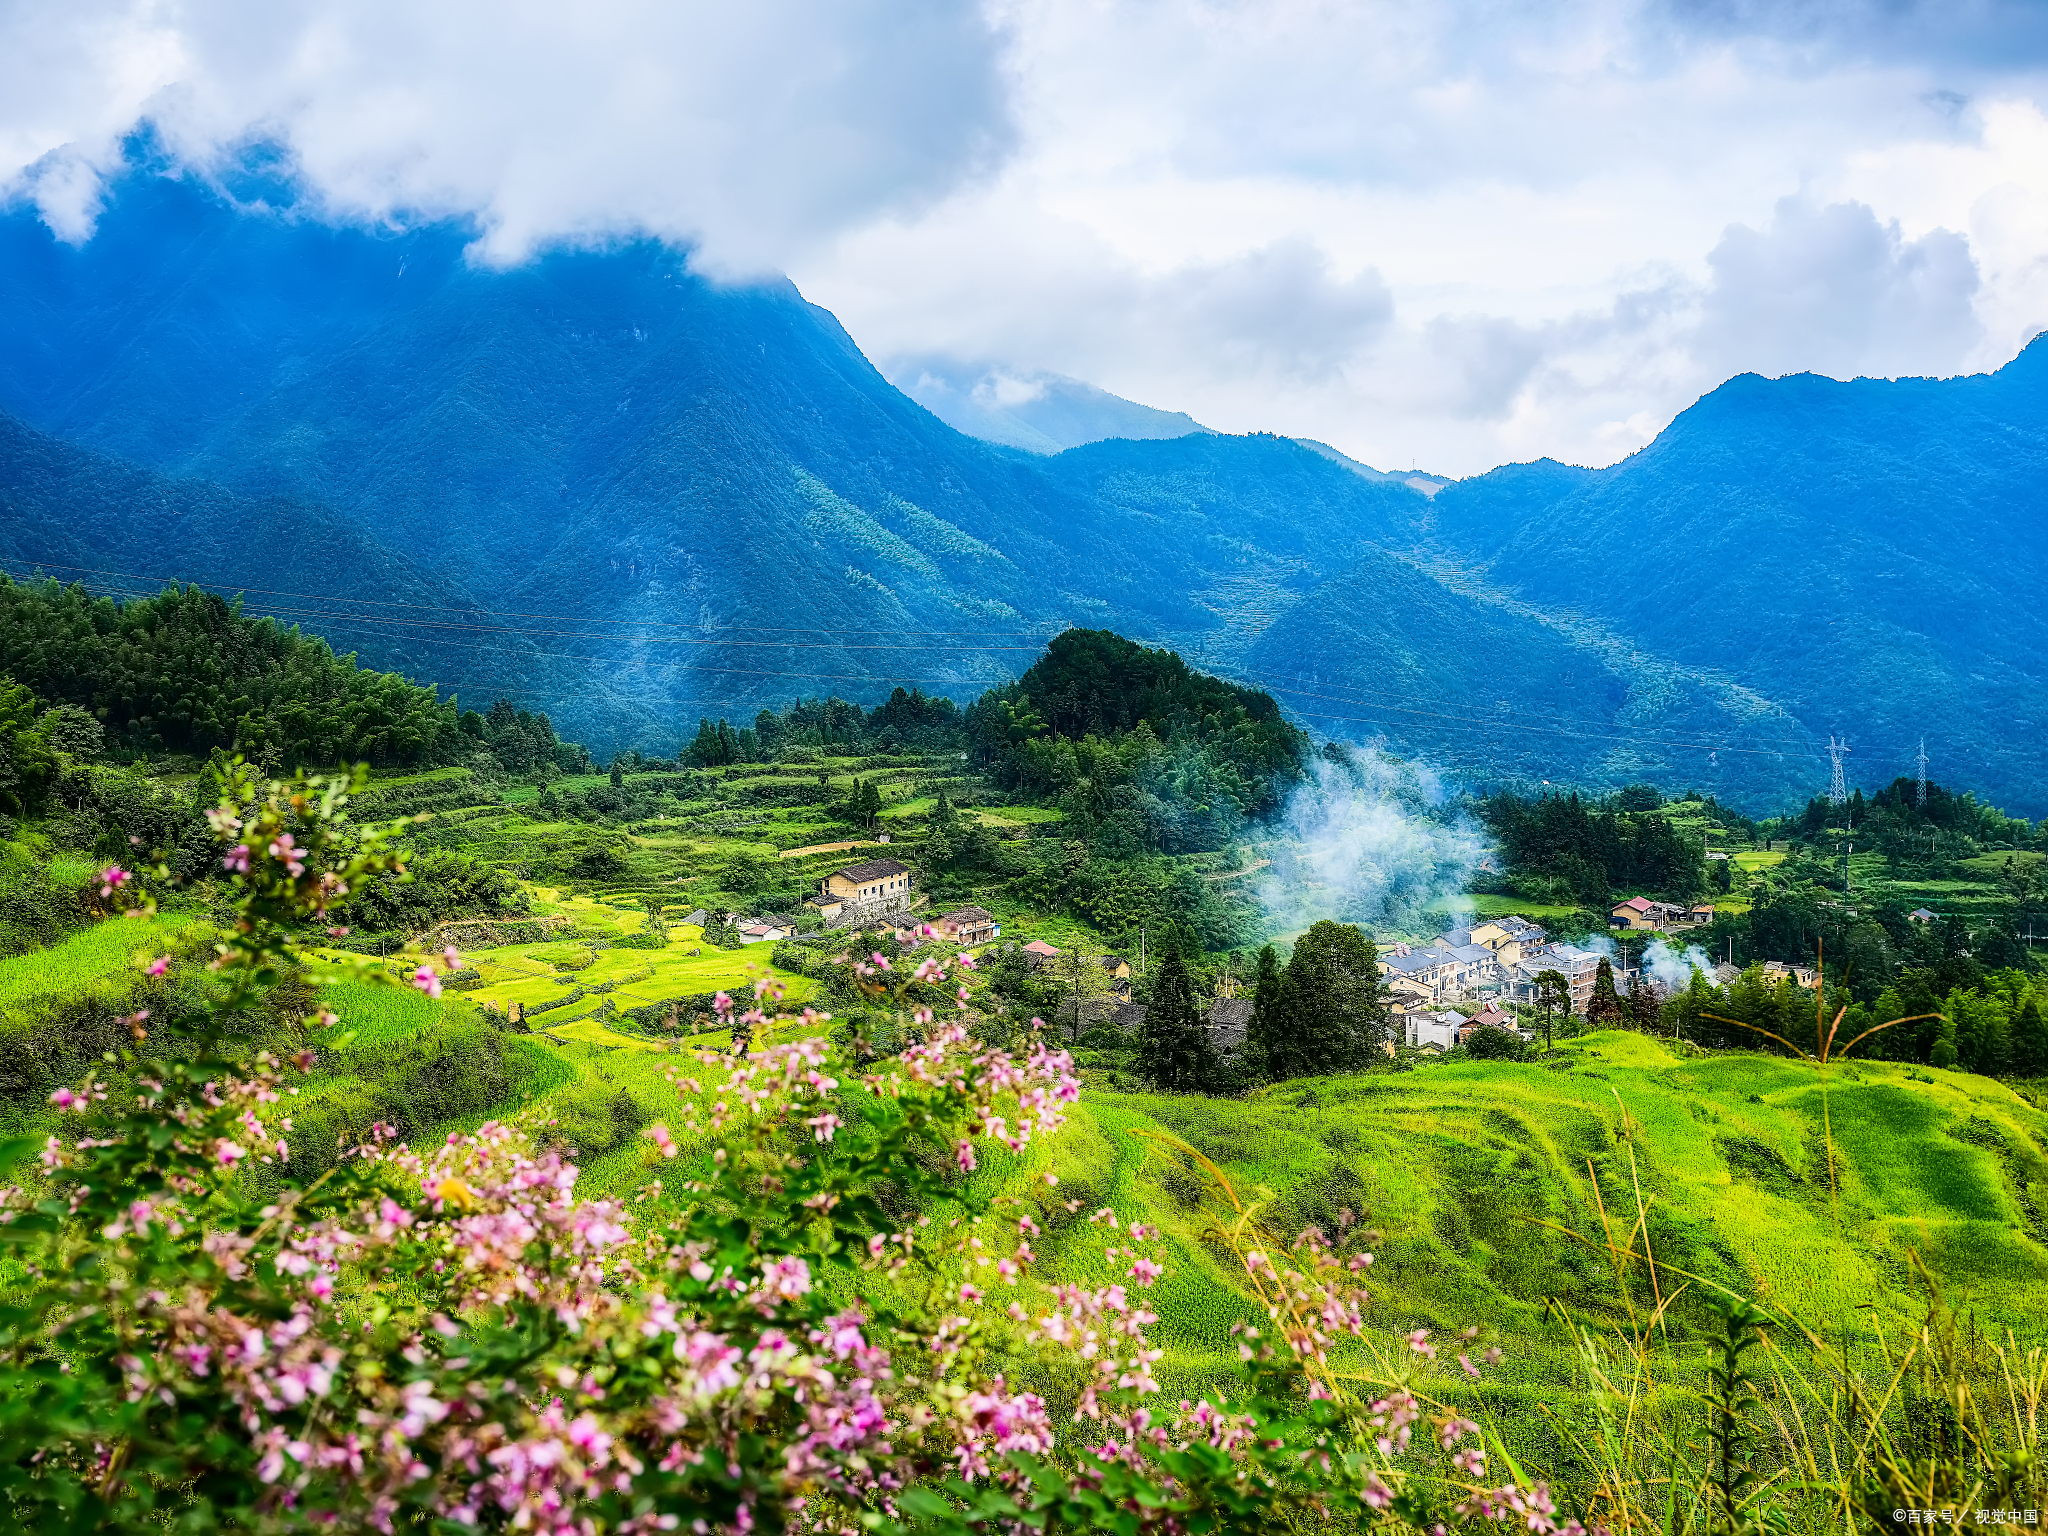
{"x": 613, "y": 490}
{"x": 1038, "y": 412}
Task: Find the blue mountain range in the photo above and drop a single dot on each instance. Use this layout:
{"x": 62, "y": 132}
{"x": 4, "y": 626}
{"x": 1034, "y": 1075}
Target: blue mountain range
{"x": 603, "y": 486}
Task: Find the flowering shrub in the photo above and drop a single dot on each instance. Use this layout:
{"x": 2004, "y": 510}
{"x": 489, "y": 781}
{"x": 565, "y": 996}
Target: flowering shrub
{"x": 451, "y": 1334}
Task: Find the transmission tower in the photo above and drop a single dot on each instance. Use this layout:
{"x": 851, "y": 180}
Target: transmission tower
{"x": 1838, "y": 793}
{"x": 1920, "y": 798}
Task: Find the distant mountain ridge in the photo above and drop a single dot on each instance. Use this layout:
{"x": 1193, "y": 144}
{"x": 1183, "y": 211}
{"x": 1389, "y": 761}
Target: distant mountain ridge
{"x": 630, "y": 497}
{"x": 1865, "y": 552}
{"x": 1038, "y": 412}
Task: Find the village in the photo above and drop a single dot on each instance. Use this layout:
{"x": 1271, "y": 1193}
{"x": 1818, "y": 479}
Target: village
{"x": 1495, "y": 973}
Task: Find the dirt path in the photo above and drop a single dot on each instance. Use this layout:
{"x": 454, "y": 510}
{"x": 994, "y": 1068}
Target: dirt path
{"x": 797, "y": 853}
{"x": 1236, "y": 873}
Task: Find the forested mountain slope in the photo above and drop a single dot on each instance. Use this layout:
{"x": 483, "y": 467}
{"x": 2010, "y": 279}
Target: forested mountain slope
{"x": 1865, "y": 552}
{"x": 609, "y": 489}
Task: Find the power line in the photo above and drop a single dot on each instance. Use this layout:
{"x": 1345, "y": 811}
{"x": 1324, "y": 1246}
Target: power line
{"x": 439, "y": 626}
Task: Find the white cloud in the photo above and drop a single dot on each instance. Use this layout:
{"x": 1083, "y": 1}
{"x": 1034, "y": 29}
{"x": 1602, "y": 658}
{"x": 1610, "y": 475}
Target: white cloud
{"x": 1831, "y": 290}
{"x": 747, "y": 130}
{"x": 1455, "y": 232}
{"x": 1539, "y": 188}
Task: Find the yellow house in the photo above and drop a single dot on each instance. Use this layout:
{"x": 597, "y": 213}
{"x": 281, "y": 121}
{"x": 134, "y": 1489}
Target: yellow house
{"x": 876, "y": 880}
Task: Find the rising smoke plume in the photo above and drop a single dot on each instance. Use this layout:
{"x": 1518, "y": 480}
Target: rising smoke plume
{"x": 1671, "y": 968}
{"x": 1368, "y": 839}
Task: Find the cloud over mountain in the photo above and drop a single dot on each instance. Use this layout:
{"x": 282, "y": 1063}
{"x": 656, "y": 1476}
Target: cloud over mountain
{"x": 748, "y": 131}
{"x": 1458, "y": 232}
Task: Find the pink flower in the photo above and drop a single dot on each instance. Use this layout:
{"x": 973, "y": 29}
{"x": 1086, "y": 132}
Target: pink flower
{"x": 159, "y": 965}
{"x": 227, "y": 1154}
{"x": 112, "y": 878}
{"x": 788, "y": 1278}
{"x": 425, "y": 979}
{"x": 658, "y": 1134}
{"x": 1419, "y": 1342}
{"x": 453, "y": 956}
{"x": 64, "y": 1098}
{"x": 722, "y": 1004}
{"x": 823, "y": 1126}
{"x": 964, "y": 1155}
{"x": 292, "y": 857}
{"x": 236, "y": 861}
{"x": 1144, "y": 1271}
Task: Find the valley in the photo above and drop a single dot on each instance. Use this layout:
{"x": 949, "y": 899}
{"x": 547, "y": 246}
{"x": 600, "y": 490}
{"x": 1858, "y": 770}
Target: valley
{"x": 608, "y": 926}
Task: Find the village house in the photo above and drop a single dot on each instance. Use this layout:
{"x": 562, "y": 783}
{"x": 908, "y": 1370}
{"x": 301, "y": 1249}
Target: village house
{"x": 1478, "y": 967}
{"x": 1228, "y": 1019}
{"x": 1805, "y": 975}
{"x": 1921, "y": 915}
{"x": 860, "y": 892}
{"x": 1115, "y": 967}
{"x": 1038, "y": 954}
{"x": 1406, "y": 997}
{"x": 1508, "y": 937}
{"x": 1434, "y": 971}
{"x": 969, "y": 925}
{"x": 1489, "y": 1017}
{"x": 1641, "y": 915}
{"x": 1433, "y": 1031}
{"x": 1579, "y": 967}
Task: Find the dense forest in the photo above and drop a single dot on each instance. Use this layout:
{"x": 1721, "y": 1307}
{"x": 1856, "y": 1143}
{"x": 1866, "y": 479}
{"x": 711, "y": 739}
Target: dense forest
{"x": 1142, "y": 752}
{"x": 187, "y": 672}
{"x": 1563, "y": 847}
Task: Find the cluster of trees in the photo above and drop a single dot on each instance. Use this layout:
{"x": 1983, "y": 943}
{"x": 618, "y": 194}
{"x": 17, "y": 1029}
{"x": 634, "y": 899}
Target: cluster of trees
{"x": 1946, "y": 826}
{"x": 438, "y": 884}
{"x": 1564, "y": 846}
{"x": 187, "y": 671}
{"x": 1135, "y": 744}
{"x": 1995, "y": 1023}
{"x": 520, "y": 742}
{"x": 1322, "y": 1011}
{"x": 905, "y": 720}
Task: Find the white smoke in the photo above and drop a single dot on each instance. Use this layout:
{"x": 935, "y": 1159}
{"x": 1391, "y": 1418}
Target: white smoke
{"x": 1368, "y": 840}
{"x": 1671, "y": 968}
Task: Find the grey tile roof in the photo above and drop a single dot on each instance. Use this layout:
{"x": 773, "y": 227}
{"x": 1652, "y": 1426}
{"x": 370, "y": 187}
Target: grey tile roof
{"x": 874, "y": 869}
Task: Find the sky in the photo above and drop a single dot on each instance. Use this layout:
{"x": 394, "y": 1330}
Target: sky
{"x": 1440, "y": 235}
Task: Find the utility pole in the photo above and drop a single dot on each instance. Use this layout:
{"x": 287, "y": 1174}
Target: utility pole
{"x": 1920, "y": 797}
{"x": 1838, "y": 793}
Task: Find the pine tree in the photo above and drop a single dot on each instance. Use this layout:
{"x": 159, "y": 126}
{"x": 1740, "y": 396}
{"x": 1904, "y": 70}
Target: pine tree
{"x": 1259, "y": 1038}
{"x": 1324, "y": 1011}
{"x": 1174, "y": 1049}
{"x": 1645, "y": 1005}
{"x": 2030, "y": 1041}
{"x": 1605, "y": 1010}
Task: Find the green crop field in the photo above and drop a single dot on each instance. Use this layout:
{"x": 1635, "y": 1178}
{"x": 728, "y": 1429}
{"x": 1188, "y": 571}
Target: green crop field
{"x": 375, "y": 1015}
{"x": 102, "y": 955}
{"x": 1502, "y": 906}
{"x": 1459, "y": 1165}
